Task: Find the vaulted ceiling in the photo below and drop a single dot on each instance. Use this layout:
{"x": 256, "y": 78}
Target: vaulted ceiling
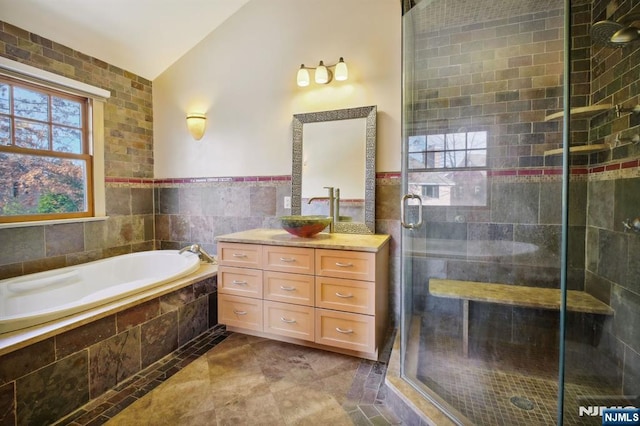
{"x": 141, "y": 36}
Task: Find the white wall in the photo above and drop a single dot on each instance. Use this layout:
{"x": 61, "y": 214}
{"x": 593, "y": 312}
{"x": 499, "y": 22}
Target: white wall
{"x": 243, "y": 75}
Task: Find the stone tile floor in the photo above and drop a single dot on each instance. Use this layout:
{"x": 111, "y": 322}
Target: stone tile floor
{"x": 229, "y": 378}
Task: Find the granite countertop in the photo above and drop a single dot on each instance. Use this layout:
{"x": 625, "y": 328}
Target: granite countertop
{"x": 356, "y": 242}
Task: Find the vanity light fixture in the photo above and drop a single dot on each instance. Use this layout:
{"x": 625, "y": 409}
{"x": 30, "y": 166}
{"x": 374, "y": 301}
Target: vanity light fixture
{"x": 196, "y": 123}
{"x": 323, "y": 73}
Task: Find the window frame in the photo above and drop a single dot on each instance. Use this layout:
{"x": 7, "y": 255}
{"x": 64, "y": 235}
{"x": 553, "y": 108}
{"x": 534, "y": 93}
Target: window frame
{"x": 96, "y": 98}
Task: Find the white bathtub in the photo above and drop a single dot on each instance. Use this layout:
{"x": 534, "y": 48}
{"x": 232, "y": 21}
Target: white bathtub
{"x": 45, "y": 296}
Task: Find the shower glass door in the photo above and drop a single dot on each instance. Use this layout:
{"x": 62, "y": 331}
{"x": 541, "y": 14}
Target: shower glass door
{"x": 496, "y": 228}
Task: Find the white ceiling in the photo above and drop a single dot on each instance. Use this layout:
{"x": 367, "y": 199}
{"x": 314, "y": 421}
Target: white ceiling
{"x": 141, "y": 36}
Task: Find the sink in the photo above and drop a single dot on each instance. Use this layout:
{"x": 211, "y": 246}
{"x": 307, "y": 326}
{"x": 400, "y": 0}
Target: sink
{"x": 304, "y": 226}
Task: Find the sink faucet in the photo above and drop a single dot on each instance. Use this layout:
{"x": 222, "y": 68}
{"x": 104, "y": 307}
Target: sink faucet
{"x": 332, "y": 209}
{"x": 202, "y": 254}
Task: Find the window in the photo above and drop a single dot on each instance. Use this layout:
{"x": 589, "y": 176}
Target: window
{"x": 45, "y": 153}
{"x": 449, "y": 169}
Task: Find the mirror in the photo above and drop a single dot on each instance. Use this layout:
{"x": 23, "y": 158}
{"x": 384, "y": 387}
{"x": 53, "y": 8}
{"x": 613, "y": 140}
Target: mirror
{"x": 336, "y": 148}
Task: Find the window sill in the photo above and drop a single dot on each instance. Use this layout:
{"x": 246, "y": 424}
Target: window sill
{"x": 51, "y": 222}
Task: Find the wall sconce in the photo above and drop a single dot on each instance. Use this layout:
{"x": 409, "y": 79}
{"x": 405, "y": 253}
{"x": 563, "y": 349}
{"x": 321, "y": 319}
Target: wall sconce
{"x": 323, "y": 74}
{"x": 196, "y": 122}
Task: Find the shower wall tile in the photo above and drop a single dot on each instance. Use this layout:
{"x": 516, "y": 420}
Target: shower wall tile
{"x": 7, "y": 405}
{"x": 626, "y": 320}
{"x": 515, "y": 202}
{"x": 612, "y": 252}
{"x": 598, "y": 287}
{"x": 631, "y": 379}
{"x": 627, "y": 201}
{"x": 547, "y": 240}
{"x": 53, "y": 391}
{"x": 632, "y": 282}
{"x": 601, "y": 204}
{"x": 490, "y": 231}
{"x": 63, "y": 239}
{"x": 113, "y": 360}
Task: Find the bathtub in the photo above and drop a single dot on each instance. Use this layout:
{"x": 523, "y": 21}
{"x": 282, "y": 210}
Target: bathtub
{"x": 46, "y": 296}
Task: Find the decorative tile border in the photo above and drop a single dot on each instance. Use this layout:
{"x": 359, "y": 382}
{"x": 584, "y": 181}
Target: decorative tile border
{"x": 543, "y": 171}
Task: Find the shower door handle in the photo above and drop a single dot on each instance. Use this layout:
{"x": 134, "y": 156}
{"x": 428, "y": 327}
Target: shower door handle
{"x": 406, "y": 197}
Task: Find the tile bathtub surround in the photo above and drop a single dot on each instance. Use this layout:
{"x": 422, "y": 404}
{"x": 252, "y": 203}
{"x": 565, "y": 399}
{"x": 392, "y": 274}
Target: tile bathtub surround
{"x": 49, "y": 379}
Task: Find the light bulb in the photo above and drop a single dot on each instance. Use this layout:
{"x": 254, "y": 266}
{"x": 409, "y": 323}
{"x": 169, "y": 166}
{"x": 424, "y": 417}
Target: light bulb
{"x": 342, "y": 72}
{"x": 322, "y": 74}
{"x": 303, "y": 76}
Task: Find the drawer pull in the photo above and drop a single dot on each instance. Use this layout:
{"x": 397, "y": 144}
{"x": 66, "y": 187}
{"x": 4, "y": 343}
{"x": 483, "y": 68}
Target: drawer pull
{"x": 287, "y": 259}
{"x": 344, "y": 296}
{"x": 236, "y": 282}
{"x": 239, "y": 255}
{"x": 340, "y": 330}
{"x": 287, "y": 288}
{"x": 288, "y": 321}
{"x": 235, "y": 311}
{"x": 344, "y": 265}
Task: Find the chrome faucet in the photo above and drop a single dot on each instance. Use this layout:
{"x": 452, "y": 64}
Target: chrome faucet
{"x": 202, "y": 254}
{"x": 333, "y": 208}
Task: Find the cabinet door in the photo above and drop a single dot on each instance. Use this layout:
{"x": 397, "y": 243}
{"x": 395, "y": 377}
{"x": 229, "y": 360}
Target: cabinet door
{"x": 240, "y": 255}
{"x": 298, "y": 260}
{"x": 345, "y": 330}
{"x": 289, "y": 320}
{"x": 346, "y": 264}
{"x": 346, "y": 295}
{"x": 242, "y": 312}
{"x": 288, "y": 288}
{"x": 240, "y": 281}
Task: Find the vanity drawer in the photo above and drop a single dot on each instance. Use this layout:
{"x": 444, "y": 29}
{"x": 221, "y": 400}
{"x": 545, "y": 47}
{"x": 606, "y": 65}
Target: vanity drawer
{"x": 345, "y": 295}
{"x": 346, "y": 264}
{"x": 242, "y": 255}
{"x": 289, "y": 320}
{"x": 288, "y": 288}
{"x": 242, "y": 312}
{"x": 240, "y": 281}
{"x": 297, "y": 260}
{"x": 345, "y": 330}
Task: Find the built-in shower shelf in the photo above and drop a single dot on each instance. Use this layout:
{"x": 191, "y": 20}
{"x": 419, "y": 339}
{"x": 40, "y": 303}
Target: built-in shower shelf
{"x": 582, "y": 149}
{"x": 580, "y": 112}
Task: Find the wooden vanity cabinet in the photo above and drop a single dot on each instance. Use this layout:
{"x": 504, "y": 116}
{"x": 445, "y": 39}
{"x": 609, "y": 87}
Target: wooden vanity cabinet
{"x": 332, "y": 299}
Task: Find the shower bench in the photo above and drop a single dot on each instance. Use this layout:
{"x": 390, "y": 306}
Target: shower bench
{"x": 513, "y": 295}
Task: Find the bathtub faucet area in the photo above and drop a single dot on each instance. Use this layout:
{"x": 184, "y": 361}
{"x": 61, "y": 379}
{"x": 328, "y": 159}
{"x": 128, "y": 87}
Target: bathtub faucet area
{"x": 202, "y": 254}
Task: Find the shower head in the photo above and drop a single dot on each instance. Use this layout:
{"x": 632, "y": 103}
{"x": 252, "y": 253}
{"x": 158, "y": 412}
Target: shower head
{"x": 626, "y": 35}
{"x": 603, "y": 31}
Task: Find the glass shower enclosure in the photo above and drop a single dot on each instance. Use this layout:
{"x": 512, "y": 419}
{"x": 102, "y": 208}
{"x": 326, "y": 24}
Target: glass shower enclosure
{"x": 520, "y": 258}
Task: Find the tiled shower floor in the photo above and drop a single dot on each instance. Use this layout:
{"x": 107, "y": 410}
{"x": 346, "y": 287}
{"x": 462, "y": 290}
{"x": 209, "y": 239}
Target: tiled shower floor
{"x": 482, "y": 390}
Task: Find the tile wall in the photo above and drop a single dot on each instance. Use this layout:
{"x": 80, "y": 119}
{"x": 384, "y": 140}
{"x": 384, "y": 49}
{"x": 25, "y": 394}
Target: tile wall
{"x": 612, "y": 261}
{"x": 128, "y": 164}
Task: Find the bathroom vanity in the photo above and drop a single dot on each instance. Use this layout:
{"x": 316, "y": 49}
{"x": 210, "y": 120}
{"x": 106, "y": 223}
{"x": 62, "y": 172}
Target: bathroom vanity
{"x": 329, "y": 291}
